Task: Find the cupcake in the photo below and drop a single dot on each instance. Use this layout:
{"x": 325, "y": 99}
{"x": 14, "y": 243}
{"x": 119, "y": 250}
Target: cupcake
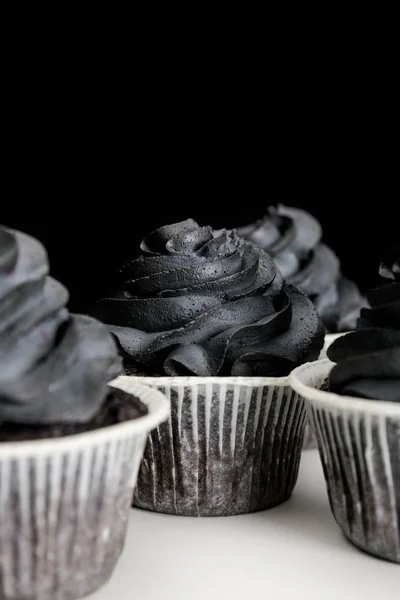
{"x": 206, "y": 318}
{"x": 293, "y": 238}
{"x": 354, "y": 406}
{"x": 310, "y": 443}
{"x": 70, "y": 445}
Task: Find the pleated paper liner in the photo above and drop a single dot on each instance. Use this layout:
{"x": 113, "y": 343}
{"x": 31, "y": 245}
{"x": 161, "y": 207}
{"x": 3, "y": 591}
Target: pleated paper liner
{"x": 232, "y": 445}
{"x": 310, "y": 443}
{"x": 359, "y": 444}
{"x": 65, "y": 502}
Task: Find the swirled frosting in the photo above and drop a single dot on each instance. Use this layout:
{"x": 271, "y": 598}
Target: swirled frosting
{"x": 293, "y": 238}
{"x": 54, "y": 367}
{"x": 209, "y": 303}
{"x": 369, "y": 358}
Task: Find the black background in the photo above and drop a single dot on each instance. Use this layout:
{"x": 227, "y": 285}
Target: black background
{"x": 90, "y": 179}
{"x": 101, "y": 152}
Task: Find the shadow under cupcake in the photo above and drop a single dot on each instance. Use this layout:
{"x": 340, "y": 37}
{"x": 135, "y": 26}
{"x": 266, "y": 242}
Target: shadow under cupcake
{"x": 206, "y": 318}
{"x": 357, "y": 422}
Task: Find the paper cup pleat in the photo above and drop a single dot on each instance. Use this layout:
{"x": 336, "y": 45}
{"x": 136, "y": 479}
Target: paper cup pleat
{"x": 359, "y": 444}
{"x": 64, "y": 508}
{"x": 310, "y": 442}
{"x": 228, "y": 448}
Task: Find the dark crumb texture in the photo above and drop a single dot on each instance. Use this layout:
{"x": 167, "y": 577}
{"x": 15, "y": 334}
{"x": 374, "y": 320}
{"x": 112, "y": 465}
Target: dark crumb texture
{"x": 325, "y": 386}
{"x": 133, "y": 369}
{"x": 118, "y": 407}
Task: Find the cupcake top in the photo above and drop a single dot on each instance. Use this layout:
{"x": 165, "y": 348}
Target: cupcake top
{"x": 198, "y": 302}
{"x": 369, "y": 358}
{"x": 54, "y": 366}
{"x": 293, "y": 238}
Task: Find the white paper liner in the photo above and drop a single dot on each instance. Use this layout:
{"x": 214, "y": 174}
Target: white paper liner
{"x": 310, "y": 443}
{"x": 64, "y": 505}
{"x": 359, "y": 444}
{"x": 232, "y": 445}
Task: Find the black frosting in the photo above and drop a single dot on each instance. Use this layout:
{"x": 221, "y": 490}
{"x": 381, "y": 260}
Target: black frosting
{"x": 54, "y": 367}
{"x": 209, "y": 303}
{"x": 369, "y": 358}
{"x": 293, "y": 238}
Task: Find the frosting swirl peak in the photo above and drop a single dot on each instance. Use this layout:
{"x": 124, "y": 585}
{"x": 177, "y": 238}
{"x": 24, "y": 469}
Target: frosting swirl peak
{"x": 293, "y": 238}
{"x": 369, "y": 358}
{"x": 206, "y": 303}
{"x": 54, "y": 366}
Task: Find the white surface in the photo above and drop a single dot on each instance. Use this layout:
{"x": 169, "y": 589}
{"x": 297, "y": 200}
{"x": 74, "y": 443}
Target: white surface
{"x": 293, "y": 551}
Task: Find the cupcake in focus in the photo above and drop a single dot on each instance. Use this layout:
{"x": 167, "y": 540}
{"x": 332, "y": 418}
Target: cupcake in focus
{"x": 357, "y": 422}
{"x": 70, "y": 444}
{"x": 207, "y": 318}
{"x": 293, "y": 238}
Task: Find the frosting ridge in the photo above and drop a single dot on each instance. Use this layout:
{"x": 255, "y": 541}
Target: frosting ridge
{"x": 293, "y": 238}
{"x": 369, "y": 358}
{"x": 54, "y": 366}
{"x": 206, "y": 303}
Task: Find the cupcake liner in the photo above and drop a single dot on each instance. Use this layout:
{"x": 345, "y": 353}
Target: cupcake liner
{"x": 232, "y": 445}
{"x": 359, "y": 444}
{"x": 310, "y": 443}
{"x": 64, "y": 505}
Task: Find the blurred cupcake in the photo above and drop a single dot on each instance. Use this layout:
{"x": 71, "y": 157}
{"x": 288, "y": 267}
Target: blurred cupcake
{"x": 357, "y": 422}
{"x": 293, "y": 238}
{"x": 206, "y": 318}
{"x": 70, "y": 445}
